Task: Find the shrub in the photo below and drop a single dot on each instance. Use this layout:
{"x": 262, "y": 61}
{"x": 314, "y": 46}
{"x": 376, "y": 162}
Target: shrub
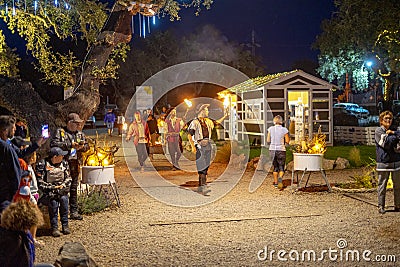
{"x": 93, "y": 202}
{"x": 223, "y": 153}
{"x": 355, "y": 157}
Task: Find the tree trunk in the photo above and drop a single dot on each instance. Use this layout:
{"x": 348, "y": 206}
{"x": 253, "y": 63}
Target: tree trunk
{"x": 389, "y": 90}
{"x": 25, "y": 103}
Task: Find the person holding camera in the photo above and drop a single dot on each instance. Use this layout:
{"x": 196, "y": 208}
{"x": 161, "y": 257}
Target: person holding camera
{"x": 73, "y": 141}
{"x": 54, "y": 181}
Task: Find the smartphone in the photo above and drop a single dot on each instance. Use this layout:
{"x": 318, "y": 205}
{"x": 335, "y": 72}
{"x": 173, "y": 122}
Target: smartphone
{"x": 45, "y": 131}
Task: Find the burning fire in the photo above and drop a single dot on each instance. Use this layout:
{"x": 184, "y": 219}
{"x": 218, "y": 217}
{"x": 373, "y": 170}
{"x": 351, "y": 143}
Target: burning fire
{"x": 99, "y": 156}
{"x": 315, "y": 146}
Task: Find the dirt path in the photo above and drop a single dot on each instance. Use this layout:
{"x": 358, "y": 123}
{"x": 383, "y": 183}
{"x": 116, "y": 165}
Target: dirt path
{"x": 239, "y": 229}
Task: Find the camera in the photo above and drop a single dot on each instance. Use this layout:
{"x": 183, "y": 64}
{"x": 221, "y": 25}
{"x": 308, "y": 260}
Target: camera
{"x": 45, "y": 131}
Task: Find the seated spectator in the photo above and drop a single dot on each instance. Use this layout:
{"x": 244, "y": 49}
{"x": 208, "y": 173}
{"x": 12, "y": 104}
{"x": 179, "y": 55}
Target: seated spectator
{"x": 54, "y": 181}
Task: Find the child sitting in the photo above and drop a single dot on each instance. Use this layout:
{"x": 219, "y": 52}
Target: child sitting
{"x": 54, "y": 181}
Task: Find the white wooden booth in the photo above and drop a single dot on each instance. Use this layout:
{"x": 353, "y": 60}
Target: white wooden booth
{"x": 303, "y": 100}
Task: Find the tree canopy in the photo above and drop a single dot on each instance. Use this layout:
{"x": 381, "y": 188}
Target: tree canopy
{"x": 361, "y": 31}
{"x": 74, "y": 44}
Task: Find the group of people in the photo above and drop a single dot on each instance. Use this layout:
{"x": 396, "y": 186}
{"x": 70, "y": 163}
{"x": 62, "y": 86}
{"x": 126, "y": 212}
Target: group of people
{"x": 199, "y": 135}
{"x": 50, "y": 181}
{"x": 110, "y": 119}
{"x": 145, "y": 133}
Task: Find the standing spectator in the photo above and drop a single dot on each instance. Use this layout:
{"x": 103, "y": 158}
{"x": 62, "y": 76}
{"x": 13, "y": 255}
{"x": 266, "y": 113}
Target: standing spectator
{"x": 73, "y": 141}
{"x": 174, "y": 126}
{"x": 387, "y": 160}
{"x": 153, "y": 129}
{"x": 54, "y": 182}
{"x": 164, "y": 111}
{"x": 109, "y": 120}
{"x": 139, "y": 130}
{"x": 120, "y": 123}
{"x": 200, "y": 135}
{"x": 277, "y": 137}
{"x": 162, "y": 128}
{"x": 21, "y": 129}
{"x": 10, "y": 170}
{"x": 17, "y": 247}
{"x": 34, "y": 188}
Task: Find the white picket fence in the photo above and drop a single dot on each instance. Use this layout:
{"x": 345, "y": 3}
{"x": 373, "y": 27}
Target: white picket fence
{"x": 354, "y": 135}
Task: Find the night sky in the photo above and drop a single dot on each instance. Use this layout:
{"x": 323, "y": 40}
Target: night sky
{"x": 284, "y": 29}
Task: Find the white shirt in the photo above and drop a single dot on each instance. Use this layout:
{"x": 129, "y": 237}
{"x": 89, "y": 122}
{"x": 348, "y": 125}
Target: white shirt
{"x": 277, "y": 133}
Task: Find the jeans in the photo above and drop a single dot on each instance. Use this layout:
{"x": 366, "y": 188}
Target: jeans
{"x": 73, "y": 193}
{"x": 59, "y": 203}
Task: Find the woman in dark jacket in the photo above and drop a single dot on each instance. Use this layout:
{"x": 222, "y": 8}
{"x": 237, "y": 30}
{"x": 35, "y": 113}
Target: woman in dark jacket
{"x": 387, "y": 159}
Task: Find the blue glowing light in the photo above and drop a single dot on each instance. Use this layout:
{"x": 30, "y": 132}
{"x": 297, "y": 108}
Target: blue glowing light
{"x": 154, "y": 20}
{"x": 369, "y": 63}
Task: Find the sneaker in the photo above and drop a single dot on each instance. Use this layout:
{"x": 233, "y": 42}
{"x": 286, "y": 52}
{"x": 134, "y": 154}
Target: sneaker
{"x": 381, "y": 210}
{"x": 280, "y": 184}
{"x": 75, "y": 216}
{"x": 65, "y": 230}
{"x": 142, "y": 169}
{"x": 275, "y": 185}
{"x": 55, "y": 233}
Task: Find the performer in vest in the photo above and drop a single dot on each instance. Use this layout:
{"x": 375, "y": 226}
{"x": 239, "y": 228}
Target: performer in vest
{"x": 200, "y": 135}
{"x": 174, "y": 140}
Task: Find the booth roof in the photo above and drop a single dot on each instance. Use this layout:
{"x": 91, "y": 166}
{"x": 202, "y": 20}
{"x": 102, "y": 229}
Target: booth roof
{"x": 255, "y": 83}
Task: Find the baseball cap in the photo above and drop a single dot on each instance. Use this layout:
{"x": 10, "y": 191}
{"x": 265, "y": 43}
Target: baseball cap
{"x": 56, "y": 151}
{"x": 19, "y": 141}
{"x": 74, "y": 117}
{"x": 24, "y": 190}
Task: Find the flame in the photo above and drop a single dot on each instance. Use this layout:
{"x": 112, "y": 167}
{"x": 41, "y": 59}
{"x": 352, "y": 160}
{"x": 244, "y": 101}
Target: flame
{"x": 99, "y": 156}
{"x": 226, "y": 101}
{"x": 315, "y": 146}
{"x": 188, "y": 103}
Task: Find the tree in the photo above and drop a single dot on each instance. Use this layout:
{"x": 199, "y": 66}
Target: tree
{"x": 362, "y": 30}
{"x": 105, "y": 33}
{"x": 164, "y": 49}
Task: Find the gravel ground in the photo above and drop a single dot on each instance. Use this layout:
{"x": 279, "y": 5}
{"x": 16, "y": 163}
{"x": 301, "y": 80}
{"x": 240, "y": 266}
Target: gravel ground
{"x": 237, "y": 229}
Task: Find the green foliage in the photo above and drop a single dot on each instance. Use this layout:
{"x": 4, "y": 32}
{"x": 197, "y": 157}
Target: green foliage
{"x": 357, "y": 32}
{"x": 94, "y": 202}
{"x": 355, "y": 157}
{"x": 368, "y": 179}
{"x": 366, "y": 153}
{"x": 8, "y": 59}
{"x": 110, "y": 70}
{"x": 82, "y": 21}
{"x": 50, "y": 22}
